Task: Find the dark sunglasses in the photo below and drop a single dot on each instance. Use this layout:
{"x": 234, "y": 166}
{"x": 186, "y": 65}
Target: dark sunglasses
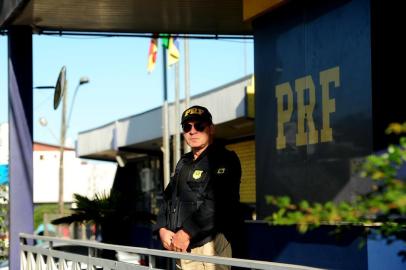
{"x": 199, "y": 126}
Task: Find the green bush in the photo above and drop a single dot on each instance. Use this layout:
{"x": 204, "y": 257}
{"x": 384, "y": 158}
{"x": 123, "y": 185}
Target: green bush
{"x": 383, "y": 208}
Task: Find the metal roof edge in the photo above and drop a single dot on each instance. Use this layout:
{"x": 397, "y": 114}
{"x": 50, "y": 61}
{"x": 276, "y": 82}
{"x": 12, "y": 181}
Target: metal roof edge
{"x": 221, "y": 87}
{"x": 98, "y": 127}
{"x": 218, "y": 88}
{"x": 139, "y": 114}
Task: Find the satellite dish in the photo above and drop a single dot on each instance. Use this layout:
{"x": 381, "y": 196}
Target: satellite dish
{"x": 60, "y": 87}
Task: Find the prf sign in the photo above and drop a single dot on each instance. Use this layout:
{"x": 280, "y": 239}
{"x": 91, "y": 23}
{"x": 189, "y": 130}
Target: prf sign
{"x": 285, "y": 107}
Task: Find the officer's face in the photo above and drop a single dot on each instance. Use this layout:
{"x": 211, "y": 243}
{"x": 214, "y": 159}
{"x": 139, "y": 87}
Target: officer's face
{"x": 197, "y": 134}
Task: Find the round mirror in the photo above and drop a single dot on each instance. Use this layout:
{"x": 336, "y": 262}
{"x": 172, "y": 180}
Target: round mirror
{"x": 60, "y": 87}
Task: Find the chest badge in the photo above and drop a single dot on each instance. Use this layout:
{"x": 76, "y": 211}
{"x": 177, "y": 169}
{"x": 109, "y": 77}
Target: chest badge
{"x": 221, "y": 170}
{"x": 197, "y": 174}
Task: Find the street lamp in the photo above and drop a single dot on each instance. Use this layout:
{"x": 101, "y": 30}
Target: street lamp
{"x": 64, "y": 128}
{"x": 82, "y": 80}
{"x": 61, "y": 91}
{"x": 44, "y": 122}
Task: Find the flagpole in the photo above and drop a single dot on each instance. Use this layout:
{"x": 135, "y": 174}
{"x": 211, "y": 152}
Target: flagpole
{"x": 187, "y": 82}
{"x": 187, "y": 78}
{"x": 165, "y": 119}
{"x": 176, "y": 123}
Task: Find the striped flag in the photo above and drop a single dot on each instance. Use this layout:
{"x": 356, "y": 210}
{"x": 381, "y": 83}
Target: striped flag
{"x": 153, "y": 50}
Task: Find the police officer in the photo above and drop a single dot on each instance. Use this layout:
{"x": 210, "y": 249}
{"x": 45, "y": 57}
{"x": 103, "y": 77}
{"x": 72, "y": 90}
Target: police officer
{"x": 201, "y": 201}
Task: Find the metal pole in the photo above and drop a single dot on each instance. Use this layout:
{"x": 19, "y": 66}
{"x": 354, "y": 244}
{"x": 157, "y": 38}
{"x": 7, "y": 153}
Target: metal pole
{"x": 245, "y": 57}
{"x": 64, "y": 127}
{"x": 165, "y": 119}
{"x": 186, "y": 147}
{"x": 176, "y": 122}
{"x": 62, "y": 149}
{"x": 187, "y": 74}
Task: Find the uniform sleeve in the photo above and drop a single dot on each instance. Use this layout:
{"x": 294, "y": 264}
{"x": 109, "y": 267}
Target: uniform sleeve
{"x": 228, "y": 195}
{"x": 161, "y": 217}
{"x": 219, "y": 199}
{"x": 232, "y": 185}
{"x": 202, "y": 222}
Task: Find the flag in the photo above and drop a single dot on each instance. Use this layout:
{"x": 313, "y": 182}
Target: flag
{"x": 165, "y": 40}
{"x": 173, "y": 51}
{"x": 172, "y": 47}
{"x": 153, "y": 50}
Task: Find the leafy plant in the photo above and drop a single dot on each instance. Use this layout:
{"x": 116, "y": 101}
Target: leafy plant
{"x": 3, "y": 222}
{"x": 89, "y": 210}
{"x": 108, "y": 210}
{"x": 383, "y": 208}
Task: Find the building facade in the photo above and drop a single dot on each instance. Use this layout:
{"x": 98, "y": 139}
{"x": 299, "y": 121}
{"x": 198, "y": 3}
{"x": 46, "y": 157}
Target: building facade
{"x": 85, "y": 177}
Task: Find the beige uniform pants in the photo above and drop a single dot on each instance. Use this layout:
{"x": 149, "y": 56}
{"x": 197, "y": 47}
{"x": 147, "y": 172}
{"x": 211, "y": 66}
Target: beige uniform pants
{"x": 217, "y": 247}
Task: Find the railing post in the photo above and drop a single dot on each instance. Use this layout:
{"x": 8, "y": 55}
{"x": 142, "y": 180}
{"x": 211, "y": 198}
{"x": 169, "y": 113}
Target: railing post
{"x": 91, "y": 252}
{"x": 23, "y": 257}
{"x": 151, "y": 261}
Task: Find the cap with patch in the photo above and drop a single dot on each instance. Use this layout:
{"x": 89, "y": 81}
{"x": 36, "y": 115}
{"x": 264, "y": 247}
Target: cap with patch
{"x": 196, "y": 113}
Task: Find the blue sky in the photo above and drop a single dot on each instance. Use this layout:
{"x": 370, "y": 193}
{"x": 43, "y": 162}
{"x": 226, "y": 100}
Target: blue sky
{"x": 119, "y": 83}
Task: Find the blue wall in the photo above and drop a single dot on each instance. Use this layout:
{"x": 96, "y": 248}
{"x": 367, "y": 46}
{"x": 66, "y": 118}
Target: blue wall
{"x": 326, "y": 88}
{"x": 314, "y": 55}
{"x": 320, "y": 247}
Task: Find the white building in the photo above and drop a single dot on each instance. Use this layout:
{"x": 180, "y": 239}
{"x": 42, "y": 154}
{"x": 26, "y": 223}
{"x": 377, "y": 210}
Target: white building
{"x": 81, "y": 176}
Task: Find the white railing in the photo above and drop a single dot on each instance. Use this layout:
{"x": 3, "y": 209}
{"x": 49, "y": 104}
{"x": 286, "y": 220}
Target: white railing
{"x": 47, "y": 256}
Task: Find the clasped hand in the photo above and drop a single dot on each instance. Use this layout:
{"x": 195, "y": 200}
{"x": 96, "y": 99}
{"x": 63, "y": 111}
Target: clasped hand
{"x": 178, "y": 241}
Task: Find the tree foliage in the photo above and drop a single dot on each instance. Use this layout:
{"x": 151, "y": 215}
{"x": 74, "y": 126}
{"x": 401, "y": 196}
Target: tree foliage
{"x": 383, "y": 208}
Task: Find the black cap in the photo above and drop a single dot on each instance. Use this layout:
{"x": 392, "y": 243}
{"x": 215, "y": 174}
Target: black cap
{"x": 198, "y": 113}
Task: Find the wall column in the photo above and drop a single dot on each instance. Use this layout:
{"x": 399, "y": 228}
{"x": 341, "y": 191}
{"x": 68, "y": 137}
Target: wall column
{"x": 21, "y": 136}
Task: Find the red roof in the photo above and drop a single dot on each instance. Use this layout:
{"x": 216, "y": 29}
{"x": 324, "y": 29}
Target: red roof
{"x": 48, "y": 147}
